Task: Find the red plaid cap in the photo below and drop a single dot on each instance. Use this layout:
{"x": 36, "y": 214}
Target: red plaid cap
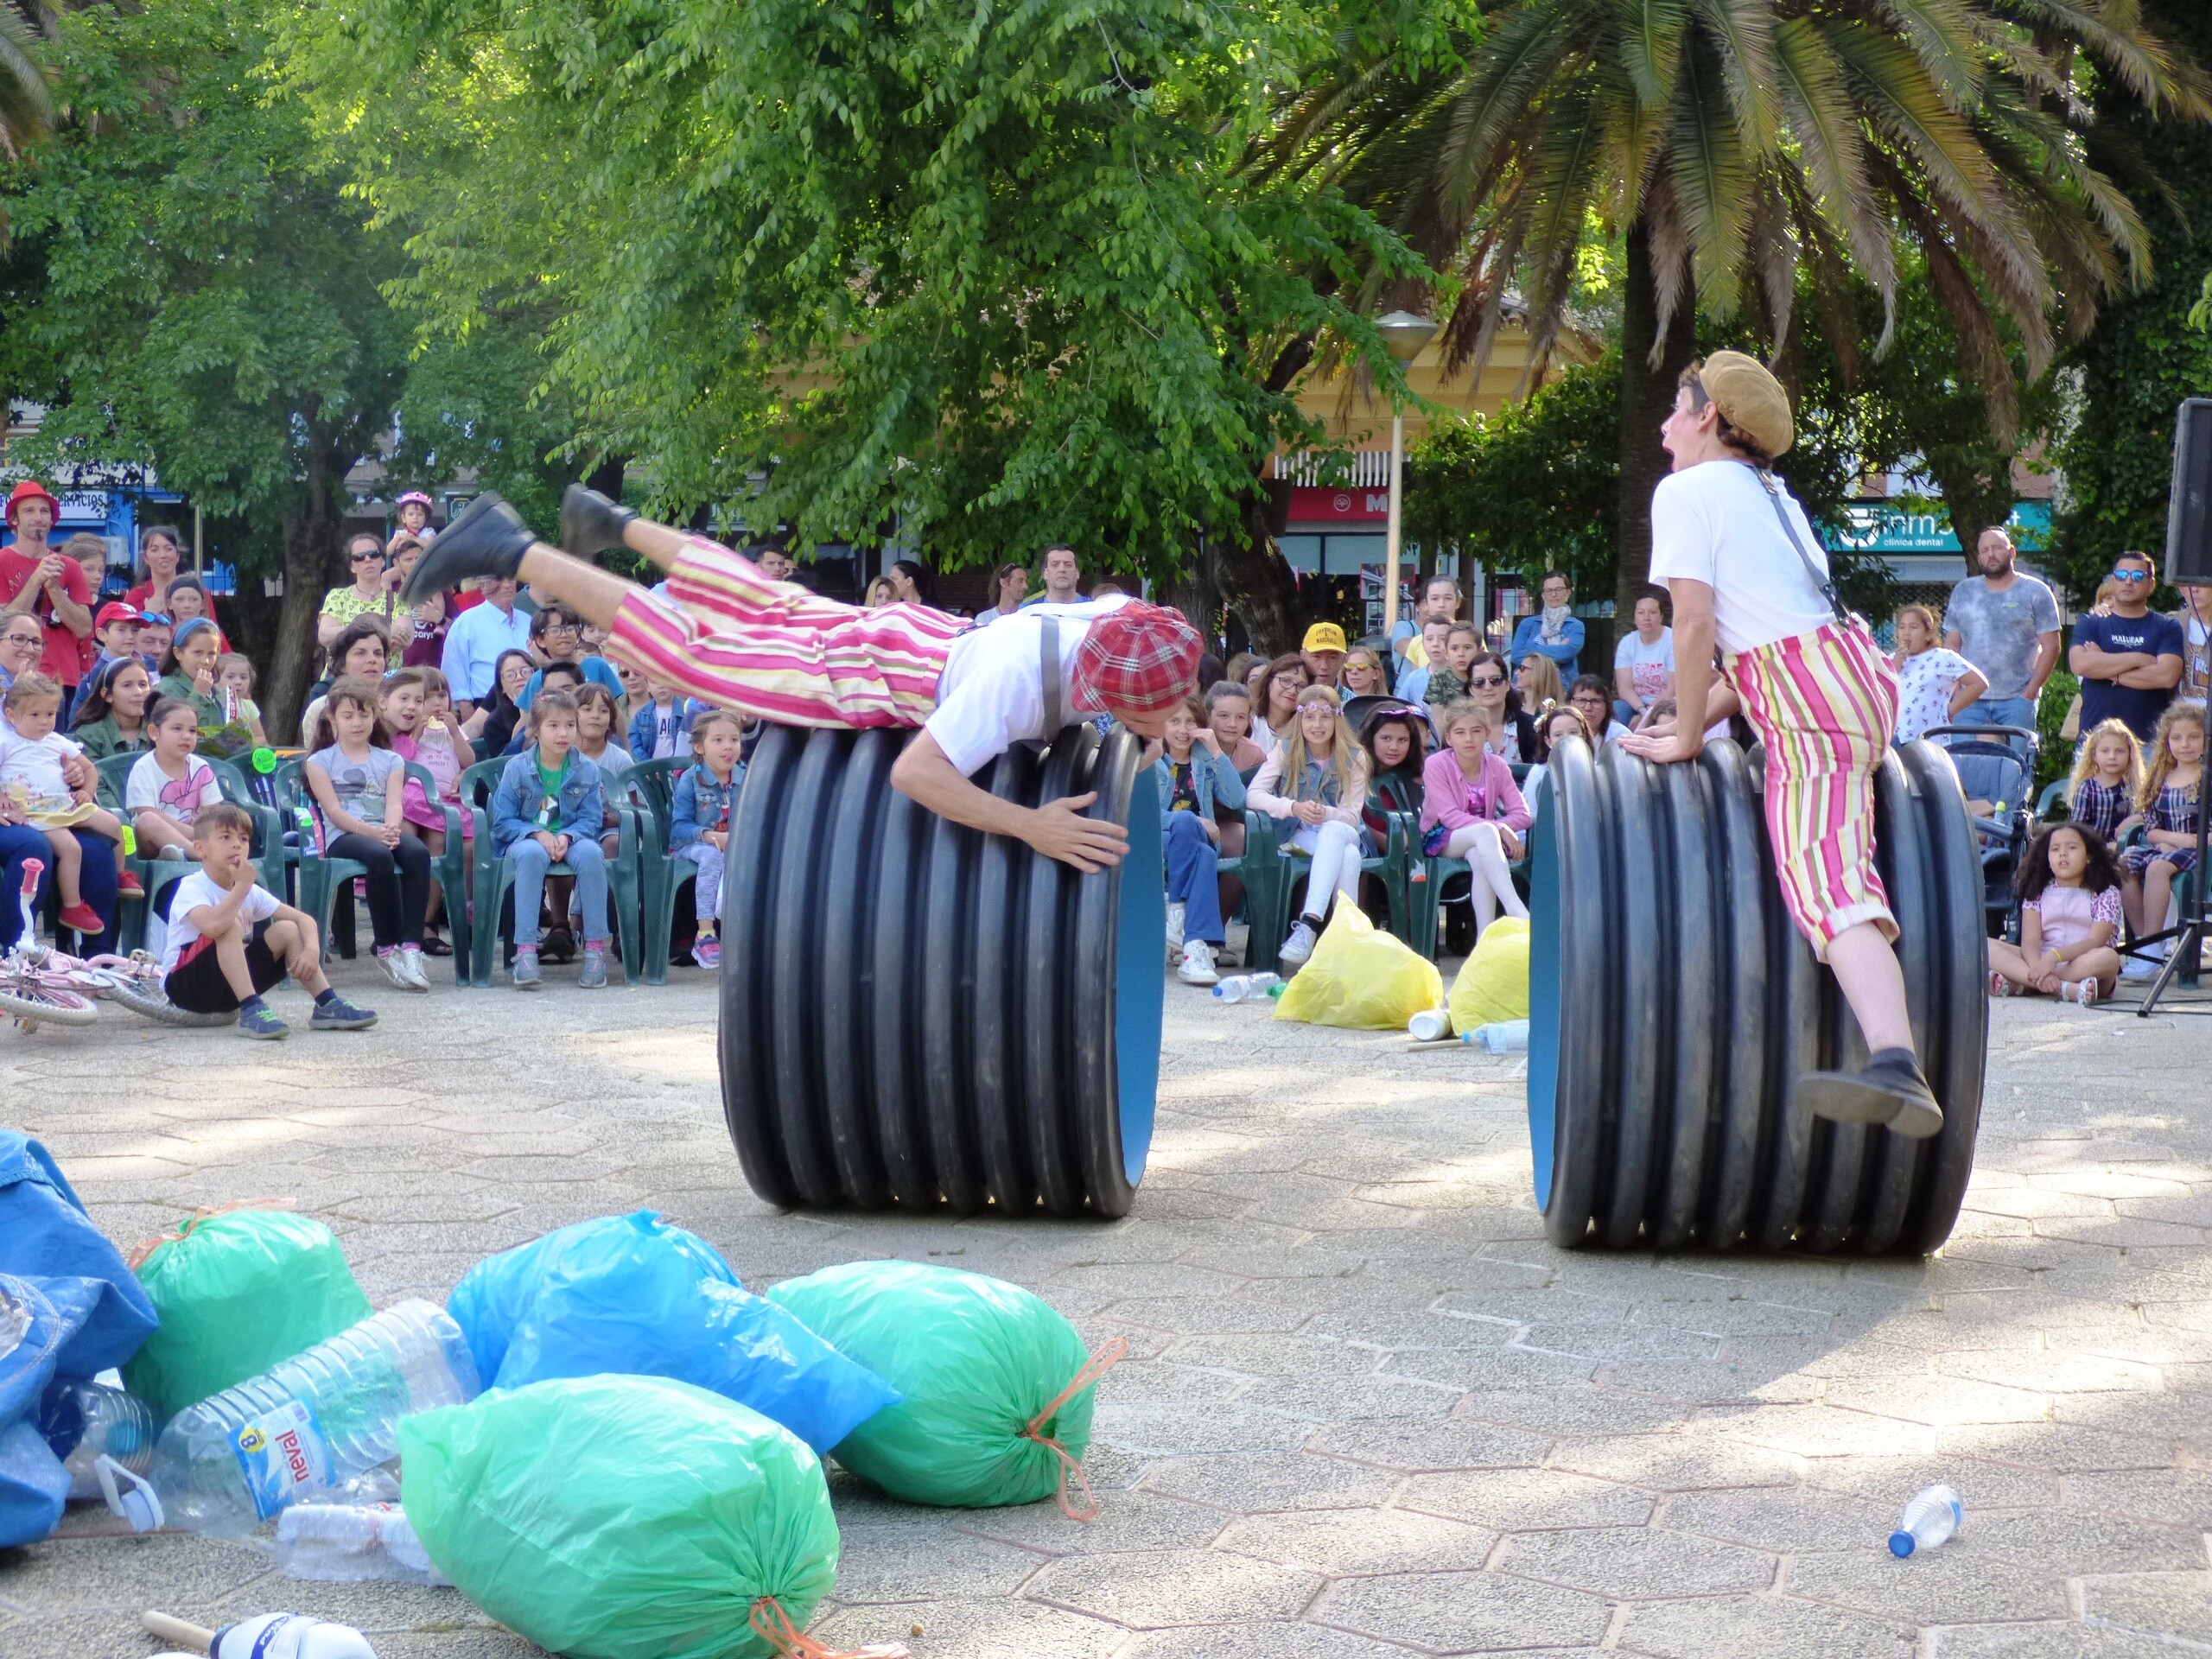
{"x": 1142, "y": 657}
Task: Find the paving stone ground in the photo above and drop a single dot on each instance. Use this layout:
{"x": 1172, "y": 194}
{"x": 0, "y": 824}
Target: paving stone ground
{"x": 1368, "y": 1411}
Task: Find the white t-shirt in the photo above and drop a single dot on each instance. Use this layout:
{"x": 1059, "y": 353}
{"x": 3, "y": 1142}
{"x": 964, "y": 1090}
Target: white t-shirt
{"x": 992, "y": 693}
{"x": 196, "y": 890}
{"x": 1649, "y": 666}
{"x": 1712, "y": 523}
{"x": 33, "y": 766}
{"x": 181, "y": 798}
{"x": 1924, "y": 683}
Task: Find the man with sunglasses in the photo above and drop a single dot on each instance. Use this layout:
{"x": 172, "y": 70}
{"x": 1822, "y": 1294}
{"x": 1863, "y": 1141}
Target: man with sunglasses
{"x": 2006, "y": 624}
{"x": 2129, "y": 661}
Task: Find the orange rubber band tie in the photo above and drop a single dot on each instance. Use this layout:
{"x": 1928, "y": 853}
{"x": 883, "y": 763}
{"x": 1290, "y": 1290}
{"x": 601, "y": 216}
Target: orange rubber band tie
{"x": 1108, "y": 1355}
{"x": 774, "y": 1625}
{"x": 137, "y": 1259}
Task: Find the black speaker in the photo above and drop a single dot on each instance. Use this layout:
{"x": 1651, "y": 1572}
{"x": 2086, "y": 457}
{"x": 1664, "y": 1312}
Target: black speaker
{"x": 2188, "y": 508}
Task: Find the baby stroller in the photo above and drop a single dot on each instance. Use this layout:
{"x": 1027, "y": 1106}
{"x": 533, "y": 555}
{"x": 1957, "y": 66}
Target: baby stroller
{"x": 1996, "y": 769}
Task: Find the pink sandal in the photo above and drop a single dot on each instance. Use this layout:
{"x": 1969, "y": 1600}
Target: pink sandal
{"x": 2000, "y": 986}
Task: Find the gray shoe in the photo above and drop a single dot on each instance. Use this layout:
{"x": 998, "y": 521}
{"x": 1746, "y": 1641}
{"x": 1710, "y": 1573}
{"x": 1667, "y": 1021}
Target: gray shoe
{"x": 592, "y": 976}
{"x": 526, "y": 976}
{"x": 339, "y": 1015}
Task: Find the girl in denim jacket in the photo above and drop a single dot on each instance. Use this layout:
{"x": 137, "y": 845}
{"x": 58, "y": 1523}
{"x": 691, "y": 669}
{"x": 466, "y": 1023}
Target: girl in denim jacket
{"x": 545, "y": 812}
{"x": 704, "y": 800}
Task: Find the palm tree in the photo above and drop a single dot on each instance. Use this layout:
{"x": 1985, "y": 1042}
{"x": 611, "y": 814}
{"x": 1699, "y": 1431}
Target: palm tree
{"x": 1729, "y": 144}
{"x": 26, "y": 105}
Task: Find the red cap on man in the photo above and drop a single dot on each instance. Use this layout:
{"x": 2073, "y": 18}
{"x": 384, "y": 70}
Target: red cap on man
{"x": 31, "y": 490}
{"x": 1140, "y": 658}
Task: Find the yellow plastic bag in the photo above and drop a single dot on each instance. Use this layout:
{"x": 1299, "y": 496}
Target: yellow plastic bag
{"x": 1493, "y": 983}
{"x": 1360, "y": 978}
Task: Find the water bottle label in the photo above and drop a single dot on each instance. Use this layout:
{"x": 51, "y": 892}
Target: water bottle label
{"x": 282, "y": 1455}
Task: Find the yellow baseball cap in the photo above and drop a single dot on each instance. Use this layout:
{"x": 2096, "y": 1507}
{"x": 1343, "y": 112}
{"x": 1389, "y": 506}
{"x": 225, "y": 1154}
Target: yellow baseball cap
{"x": 1325, "y": 636}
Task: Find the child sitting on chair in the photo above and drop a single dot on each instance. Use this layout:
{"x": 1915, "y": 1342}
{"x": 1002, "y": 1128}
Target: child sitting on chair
{"x": 2069, "y": 917}
{"x": 230, "y": 939}
{"x": 169, "y": 783}
{"x": 700, "y": 813}
{"x": 33, "y": 759}
{"x": 545, "y": 812}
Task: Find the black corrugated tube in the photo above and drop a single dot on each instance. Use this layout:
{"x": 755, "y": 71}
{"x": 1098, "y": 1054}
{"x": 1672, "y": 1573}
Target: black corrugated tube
{"x": 917, "y": 1015}
{"x": 1674, "y": 1005}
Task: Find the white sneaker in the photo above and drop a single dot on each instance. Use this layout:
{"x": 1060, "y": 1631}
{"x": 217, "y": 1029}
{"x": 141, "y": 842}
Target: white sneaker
{"x": 2140, "y": 968}
{"x": 413, "y": 975}
{"x": 393, "y": 969}
{"x": 1299, "y": 946}
{"x": 1197, "y": 966}
{"x": 1175, "y": 925}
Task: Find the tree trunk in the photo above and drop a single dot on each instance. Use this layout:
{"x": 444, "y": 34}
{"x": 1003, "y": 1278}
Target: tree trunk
{"x": 311, "y": 567}
{"x": 1256, "y": 580}
{"x": 1647, "y": 393}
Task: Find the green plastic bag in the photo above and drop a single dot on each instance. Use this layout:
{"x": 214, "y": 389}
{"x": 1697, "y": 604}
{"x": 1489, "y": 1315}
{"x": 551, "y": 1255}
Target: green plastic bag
{"x": 622, "y": 1517}
{"x": 978, "y": 1360}
{"x": 1493, "y": 983}
{"x": 1360, "y": 979}
{"x": 239, "y": 1292}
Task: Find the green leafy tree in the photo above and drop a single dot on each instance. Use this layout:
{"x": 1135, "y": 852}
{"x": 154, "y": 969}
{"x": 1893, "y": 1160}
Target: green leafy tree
{"x": 980, "y": 276}
{"x": 186, "y": 292}
{"x": 1730, "y": 144}
{"x": 2117, "y": 455}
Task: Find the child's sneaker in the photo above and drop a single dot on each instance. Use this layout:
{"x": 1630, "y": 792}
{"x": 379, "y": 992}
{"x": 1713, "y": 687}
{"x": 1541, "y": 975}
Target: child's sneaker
{"x": 1174, "y": 926}
{"x": 81, "y": 918}
{"x": 414, "y": 976}
{"x": 263, "y": 1024}
{"x": 526, "y": 976}
{"x": 1299, "y": 946}
{"x": 128, "y": 886}
{"x": 592, "y": 976}
{"x": 339, "y": 1015}
{"x": 708, "y": 952}
{"x": 394, "y": 970}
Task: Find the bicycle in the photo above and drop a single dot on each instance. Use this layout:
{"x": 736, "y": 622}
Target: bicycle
{"x": 41, "y": 983}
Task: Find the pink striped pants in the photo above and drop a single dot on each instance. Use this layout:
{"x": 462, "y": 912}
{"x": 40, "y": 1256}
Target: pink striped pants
{"x": 771, "y": 649}
{"x": 1824, "y": 705}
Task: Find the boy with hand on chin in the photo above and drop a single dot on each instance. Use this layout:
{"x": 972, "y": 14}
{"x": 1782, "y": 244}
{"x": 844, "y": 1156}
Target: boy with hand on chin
{"x": 231, "y": 939}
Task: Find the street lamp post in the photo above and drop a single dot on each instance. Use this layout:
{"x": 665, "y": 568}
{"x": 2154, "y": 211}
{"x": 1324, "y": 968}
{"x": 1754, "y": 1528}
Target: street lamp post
{"x": 1403, "y": 334}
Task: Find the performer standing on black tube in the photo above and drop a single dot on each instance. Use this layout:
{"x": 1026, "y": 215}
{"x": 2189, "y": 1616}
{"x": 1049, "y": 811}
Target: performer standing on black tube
{"x": 1741, "y": 562}
{"x": 729, "y": 635}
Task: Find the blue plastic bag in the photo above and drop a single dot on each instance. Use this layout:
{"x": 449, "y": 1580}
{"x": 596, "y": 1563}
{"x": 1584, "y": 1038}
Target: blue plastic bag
{"x": 632, "y": 1294}
{"x": 46, "y": 1328}
{"x": 45, "y": 1234}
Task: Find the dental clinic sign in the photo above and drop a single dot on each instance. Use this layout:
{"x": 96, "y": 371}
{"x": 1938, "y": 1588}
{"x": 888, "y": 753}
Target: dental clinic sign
{"x": 1873, "y": 529}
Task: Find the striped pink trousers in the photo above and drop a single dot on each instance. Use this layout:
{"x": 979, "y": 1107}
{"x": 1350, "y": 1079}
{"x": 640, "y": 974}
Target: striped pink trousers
{"x": 771, "y": 649}
{"x": 1824, "y": 705}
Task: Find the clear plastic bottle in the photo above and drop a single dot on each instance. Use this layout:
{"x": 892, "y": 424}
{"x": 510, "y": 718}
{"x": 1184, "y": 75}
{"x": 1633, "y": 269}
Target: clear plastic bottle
{"x": 1245, "y": 988}
{"x": 1930, "y": 1519}
{"x": 349, "y": 1543}
{"x": 230, "y": 1463}
{"x": 93, "y": 1420}
{"x": 1505, "y": 1036}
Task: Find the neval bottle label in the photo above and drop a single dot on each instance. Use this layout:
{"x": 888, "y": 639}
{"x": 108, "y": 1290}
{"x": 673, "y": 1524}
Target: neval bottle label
{"x": 282, "y": 1455}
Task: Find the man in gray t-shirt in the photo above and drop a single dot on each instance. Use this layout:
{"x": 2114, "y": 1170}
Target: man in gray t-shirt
{"x": 2006, "y": 624}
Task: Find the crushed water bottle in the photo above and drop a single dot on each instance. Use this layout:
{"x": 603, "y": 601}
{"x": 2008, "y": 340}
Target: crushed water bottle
{"x": 1246, "y": 987}
{"x": 1928, "y": 1519}
{"x": 87, "y": 1421}
{"x": 350, "y": 1543}
{"x": 230, "y": 1463}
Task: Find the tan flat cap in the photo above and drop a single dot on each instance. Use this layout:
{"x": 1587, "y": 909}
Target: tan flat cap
{"x": 1750, "y": 397}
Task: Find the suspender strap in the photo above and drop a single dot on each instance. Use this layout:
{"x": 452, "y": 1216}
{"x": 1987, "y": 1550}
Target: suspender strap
{"x": 1048, "y": 641}
{"x": 1825, "y": 583}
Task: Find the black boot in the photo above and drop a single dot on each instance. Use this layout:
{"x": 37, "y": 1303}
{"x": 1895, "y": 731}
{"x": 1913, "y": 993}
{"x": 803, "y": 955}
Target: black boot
{"x": 1890, "y": 1091}
{"x": 487, "y": 538}
{"x": 590, "y": 524}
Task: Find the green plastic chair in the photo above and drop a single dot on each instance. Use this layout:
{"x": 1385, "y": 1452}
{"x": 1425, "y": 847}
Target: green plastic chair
{"x": 652, "y": 785}
{"x": 157, "y": 875}
{"x": 1428, "y": 908}
{"x": 317, "y": 880}
{"x": 491, "y": 876}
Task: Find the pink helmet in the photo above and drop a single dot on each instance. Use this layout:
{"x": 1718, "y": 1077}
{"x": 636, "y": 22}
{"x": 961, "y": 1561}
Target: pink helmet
{"x": 418, "y": 498}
